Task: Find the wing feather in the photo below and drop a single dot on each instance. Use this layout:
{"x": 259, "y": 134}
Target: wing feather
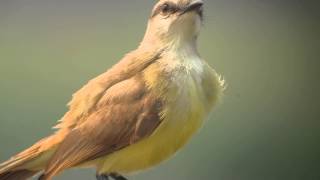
{"x": 125, "y": 114}
{"x": 84, "y": 101}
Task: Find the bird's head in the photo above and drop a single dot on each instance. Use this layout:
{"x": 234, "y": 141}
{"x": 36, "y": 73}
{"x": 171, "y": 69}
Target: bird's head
{"x": 174, "y": 22}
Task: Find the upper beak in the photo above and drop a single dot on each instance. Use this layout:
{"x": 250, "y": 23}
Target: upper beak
{"x": 196, "y": 6}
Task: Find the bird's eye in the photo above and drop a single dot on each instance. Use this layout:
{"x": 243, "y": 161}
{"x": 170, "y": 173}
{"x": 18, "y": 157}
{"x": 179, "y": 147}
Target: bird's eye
{"x": 168, "y": 9}
{"x": 165, "y": 9}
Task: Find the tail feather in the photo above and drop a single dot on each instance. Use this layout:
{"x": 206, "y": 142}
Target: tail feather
{"x": 29, "y": 162}
{"x": 21, "y": 158}
{"x": 17, "y": 175}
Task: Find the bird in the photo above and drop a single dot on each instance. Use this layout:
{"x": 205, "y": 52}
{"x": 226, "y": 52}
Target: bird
{"x": 138, "y": 113}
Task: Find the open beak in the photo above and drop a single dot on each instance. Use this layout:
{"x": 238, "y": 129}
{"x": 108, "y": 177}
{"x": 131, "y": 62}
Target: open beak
{"x": 196, "y": 6}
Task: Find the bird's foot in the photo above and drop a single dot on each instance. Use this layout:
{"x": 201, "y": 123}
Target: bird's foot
{"x": 114, "y": 176}
{"x": 102, "y": 177}
{"x": 117, "y": 176}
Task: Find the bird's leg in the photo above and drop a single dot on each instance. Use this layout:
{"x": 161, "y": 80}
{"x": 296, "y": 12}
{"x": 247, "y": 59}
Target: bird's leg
{"x": 102, "y": 177}
{"x": 117, "y": 176}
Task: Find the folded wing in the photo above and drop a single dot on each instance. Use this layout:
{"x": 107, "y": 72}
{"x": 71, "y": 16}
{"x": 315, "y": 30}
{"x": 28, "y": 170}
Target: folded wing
{"x": 125, "y": 114}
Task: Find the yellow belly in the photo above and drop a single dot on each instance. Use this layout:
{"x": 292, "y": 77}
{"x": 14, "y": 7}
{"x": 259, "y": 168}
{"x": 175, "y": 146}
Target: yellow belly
{"x": 148, "y": 152}
{"x": 182, "y": 119}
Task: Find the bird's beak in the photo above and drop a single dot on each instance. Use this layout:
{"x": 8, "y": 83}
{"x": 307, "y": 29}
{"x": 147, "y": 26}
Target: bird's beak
{"x": 196, "y": 6}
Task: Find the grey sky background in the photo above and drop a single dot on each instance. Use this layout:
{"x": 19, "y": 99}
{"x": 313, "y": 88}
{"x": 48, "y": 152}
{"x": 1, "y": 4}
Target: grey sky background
{"x": 266, "y": 128}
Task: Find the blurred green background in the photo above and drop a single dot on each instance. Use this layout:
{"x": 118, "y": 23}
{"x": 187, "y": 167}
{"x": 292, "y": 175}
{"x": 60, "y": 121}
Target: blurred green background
{"x": 267, "y": 128}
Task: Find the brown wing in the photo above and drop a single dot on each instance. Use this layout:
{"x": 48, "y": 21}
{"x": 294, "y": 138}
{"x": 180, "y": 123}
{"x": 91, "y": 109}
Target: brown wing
{"x": 126, "y": 113}
{"x": 84, "y": 101}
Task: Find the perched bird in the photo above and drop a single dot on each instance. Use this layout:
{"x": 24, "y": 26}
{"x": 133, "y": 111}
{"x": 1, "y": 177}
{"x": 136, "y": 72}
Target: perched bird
{"x": 138, "y": 113}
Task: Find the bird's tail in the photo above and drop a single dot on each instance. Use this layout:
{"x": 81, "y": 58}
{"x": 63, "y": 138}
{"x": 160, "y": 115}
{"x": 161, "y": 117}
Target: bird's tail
{"x": 17, "y": 175}
{"x": 29, "y": 162}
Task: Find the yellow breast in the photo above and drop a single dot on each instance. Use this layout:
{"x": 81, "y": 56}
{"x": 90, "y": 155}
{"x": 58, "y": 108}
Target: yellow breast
{"x": 189, "y": 99}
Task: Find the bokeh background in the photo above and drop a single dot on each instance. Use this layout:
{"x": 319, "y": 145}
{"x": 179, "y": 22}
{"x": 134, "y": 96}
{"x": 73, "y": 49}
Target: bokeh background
{"x": 267, "y": 127}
